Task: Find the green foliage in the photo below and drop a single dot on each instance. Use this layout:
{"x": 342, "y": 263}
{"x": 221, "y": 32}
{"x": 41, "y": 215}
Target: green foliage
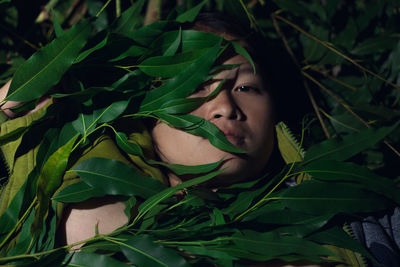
{"x": 107, "y": 72}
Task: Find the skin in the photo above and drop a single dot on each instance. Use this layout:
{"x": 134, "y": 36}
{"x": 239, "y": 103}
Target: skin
{"x": 242, "y": 111}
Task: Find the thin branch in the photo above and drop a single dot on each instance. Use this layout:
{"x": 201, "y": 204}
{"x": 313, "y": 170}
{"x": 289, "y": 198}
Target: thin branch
{"x": 341, "y": 102}
{"x": 330, "y": 47}
{"x": 305, "y": 84}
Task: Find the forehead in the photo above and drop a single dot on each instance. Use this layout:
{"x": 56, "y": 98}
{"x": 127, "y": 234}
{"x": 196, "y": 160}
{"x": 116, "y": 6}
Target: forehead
{"x": 243, "y": 70}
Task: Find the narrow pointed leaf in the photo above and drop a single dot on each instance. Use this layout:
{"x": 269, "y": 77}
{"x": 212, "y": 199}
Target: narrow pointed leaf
{"x": 46, "y": 67}
{"x": 143, "y": 251}
{"x": 169, "y": 66}
{"x": 116, "y": 178}
{"x": 128, "y": 19}
{"x": 321, "y": 198}
{"x": 336, "y": 171}
{"x": 175, "y": 45}
{"x": 92, "y": 259}
{"x": 342, "y": 149}
{"x": 191, "y": 14}
{"x": 77, "y": 192}
{"x": 183, "y": 84}
{"x": 204, "y": 128}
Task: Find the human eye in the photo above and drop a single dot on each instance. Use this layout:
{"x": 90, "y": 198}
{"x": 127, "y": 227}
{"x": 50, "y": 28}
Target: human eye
{"x": 246, "y": 88}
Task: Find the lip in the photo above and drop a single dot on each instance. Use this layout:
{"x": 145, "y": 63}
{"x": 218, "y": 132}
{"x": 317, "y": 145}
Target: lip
{"x": 234, "y": 137}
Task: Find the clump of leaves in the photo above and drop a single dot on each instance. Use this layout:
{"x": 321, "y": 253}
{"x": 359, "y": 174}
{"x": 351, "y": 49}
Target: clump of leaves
{"x": 108, "y": 72}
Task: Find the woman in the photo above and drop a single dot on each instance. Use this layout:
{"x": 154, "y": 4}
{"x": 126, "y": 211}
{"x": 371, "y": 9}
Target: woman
{"x": 242, "y": 110}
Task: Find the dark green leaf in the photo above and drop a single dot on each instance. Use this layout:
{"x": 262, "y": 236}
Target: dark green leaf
{"x": 46, "y": 67}
{"x": 342, "y": 149}
{"x": 143, "y": 251}
{"x": 337, "y": 237}
{"x": 175, "y": 45}
{"x": 242, "y": 51}
{"x": 271, "y": 244}
{"x": 349, "y": 172}
{"x": 116, "y": 178}
{"x": 166, "y": 193}
{"x": 170, "y": 66}
{"x": 128, "y": 19}
{"x": 12, "y": 136}
{"x": 374, "y": 45}
{"x": 77, "y": 192}
{"x": 182, "y": 105}
{"x": 191, "y": 14}
{"x": 92, "y": 259}
{"x": 57, "y": 27}
{"x": 87, "y": 52}
{"x": 183, "y": 84}
{"x": 320, "y": 198}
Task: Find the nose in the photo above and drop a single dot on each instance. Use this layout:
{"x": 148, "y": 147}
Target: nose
{"x": 224, "y": 105}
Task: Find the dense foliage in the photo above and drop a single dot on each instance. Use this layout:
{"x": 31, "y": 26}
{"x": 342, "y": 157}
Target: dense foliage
{"x": 97, "y": 61}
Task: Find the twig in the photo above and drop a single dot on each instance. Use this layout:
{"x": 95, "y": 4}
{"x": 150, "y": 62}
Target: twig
{"x": 329, "y": 46}
{"x": 305, "y": 84}
{"x": 331, "y": 77}
{"x": 341, "y": 102}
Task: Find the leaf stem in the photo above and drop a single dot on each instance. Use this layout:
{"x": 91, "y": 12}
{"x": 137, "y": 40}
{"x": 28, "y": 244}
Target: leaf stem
{"x": 19, "y": 222}
{"x": 103, "y": 7}
{"x": 265, "y": 198}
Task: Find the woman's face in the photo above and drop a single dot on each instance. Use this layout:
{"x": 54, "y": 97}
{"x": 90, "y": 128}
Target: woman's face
{"x": 242, "y": 111}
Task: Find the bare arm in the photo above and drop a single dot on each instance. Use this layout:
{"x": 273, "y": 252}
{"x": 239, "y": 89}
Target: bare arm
{"x": 79, "y": 219}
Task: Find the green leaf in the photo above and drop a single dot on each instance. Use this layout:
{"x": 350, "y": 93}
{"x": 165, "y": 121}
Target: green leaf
{"x": 191, "y": 40}
{"x": 183, "y": 84}
{"x": 12, "y": 136}
{"x": 375, "y": 45}
{"x": 185, "y": 169}
{"x": 77, "y": 192}
{"x": 143, "y": 251}
{"x": 57, "y": 27}
{"x": 111, "y": 112}
{"x": 337, "y": 237}
{"x": 92, "y": 259}
{"x": 191, "y": 14}
{"x": 242, "y": 51}
{"x": 208, "y": 251}
{"x": 342, "y": 149}
{"x": 128, "y": 19}
{"x": 166, "y": 193}
{"x": 116, "y": 178}
{"x": 128, "y": 147}
{"x": 335, "y": 171}
{"x": 182, "y": 105}
{"x": 170, "y": 66}
{"x": 320, "y": 198}
{"x": 50, "y": 179}
{"x": 199, "y": 126}
{"x": 277, "y": 245}
{"x": 134, "y": 149}
{"x": 175, "y": 45}
{"x": 46, "y": 67}
{"x": 89, "y": 51}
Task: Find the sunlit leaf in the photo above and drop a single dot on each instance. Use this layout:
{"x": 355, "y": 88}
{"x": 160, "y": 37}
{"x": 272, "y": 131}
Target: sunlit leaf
{"x": 204, "y": 128}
